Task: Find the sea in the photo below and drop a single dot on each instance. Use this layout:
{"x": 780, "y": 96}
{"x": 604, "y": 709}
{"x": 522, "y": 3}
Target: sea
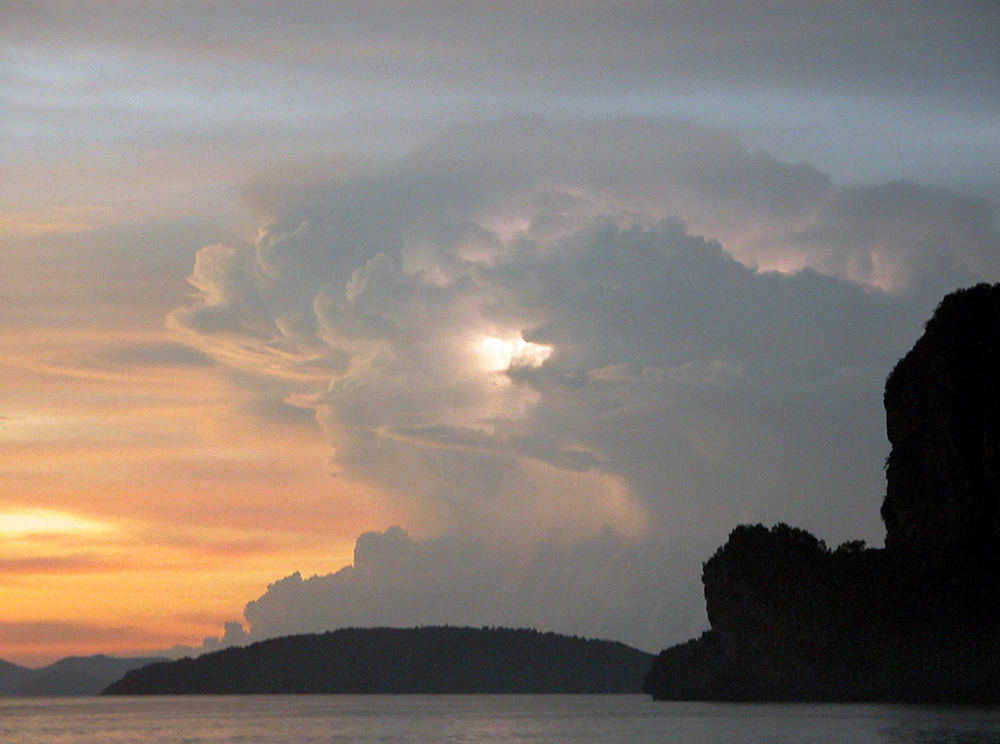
{"x": 475, "y": 719}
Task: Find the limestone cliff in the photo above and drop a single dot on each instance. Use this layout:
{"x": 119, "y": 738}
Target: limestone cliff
{"x": 918, "y": 621}
{"x": 942, "y": 404}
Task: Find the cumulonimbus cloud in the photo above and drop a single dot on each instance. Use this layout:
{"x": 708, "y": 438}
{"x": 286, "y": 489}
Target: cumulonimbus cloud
{"x": 529, "y": 330}
{"x": 595, "y": 585}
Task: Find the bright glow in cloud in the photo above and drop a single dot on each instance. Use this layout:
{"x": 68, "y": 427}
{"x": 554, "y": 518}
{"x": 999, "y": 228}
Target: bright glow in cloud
{"x": 502, "y": 354}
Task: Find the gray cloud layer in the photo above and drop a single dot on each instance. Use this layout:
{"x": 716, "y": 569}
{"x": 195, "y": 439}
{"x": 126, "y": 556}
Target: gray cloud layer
{"x": 896, "y": 47}
{"x": 526, "y": 331}
{"x": 594, "y": 586}
{"x": 862, "y": 88}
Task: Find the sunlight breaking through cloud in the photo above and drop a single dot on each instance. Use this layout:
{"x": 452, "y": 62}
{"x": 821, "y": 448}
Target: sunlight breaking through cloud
{"x": 501, "y": 354}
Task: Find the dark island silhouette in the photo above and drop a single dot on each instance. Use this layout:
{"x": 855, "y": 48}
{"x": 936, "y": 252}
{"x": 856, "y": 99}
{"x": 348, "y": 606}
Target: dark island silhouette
{"x": 401, "y": 660}
{"x": 917, "y": 621}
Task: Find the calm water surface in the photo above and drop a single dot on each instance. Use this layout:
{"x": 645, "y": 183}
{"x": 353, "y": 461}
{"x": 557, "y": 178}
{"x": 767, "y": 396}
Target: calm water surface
{"x": 474, "y": 718}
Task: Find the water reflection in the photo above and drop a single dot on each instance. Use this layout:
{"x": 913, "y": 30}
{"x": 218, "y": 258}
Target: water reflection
{"x": 949, "y": 725}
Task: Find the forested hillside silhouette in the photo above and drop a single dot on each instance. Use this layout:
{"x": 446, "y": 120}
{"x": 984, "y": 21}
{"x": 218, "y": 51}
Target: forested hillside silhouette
{"x": 397, "y": 660}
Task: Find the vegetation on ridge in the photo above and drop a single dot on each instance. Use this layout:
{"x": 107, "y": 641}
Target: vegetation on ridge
{"x": 397, "y": 660}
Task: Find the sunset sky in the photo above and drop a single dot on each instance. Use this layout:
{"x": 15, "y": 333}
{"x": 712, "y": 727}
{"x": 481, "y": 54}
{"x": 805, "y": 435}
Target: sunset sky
{"x": 317, "y": 314}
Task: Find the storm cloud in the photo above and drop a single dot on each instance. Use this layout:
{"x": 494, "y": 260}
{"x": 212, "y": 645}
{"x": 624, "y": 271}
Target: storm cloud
{"x": 595, "y": 586}
{"x": 539, "y": 334}
{"x": 529, "y": 302}
{"x": 913, "y": 46}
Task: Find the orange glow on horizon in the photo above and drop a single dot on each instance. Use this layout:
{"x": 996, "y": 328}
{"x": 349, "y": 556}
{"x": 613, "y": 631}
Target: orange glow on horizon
{"x": 143, "y": 504}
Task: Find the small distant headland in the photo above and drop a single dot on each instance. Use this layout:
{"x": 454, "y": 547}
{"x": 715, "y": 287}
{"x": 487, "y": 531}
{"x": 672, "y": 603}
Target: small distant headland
{"x": 917, "y": 621}
{"x": 74, "y": 675}
{"x": 397, "y": 660}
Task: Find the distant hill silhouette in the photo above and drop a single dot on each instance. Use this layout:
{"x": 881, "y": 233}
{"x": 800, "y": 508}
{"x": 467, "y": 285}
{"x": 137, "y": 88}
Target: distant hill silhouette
{"x": 918, "y": 621}
{"x": 12, "y": 676}
{"x": 75, "y": 675}
{"x": 396, "y": 660}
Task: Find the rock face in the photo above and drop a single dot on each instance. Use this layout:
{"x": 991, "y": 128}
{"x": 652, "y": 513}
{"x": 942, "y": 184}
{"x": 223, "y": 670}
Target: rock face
{"x": 942, "y": 404}
{"x": 918, "y": 621}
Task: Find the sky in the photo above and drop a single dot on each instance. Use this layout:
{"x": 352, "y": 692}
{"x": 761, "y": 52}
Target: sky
{"x": 337, "y": 314}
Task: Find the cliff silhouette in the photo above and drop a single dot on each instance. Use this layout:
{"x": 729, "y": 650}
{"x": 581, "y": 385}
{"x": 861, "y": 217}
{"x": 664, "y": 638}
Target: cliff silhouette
{"x": 916, "y": 621}
{"x": 398, "y": 660}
